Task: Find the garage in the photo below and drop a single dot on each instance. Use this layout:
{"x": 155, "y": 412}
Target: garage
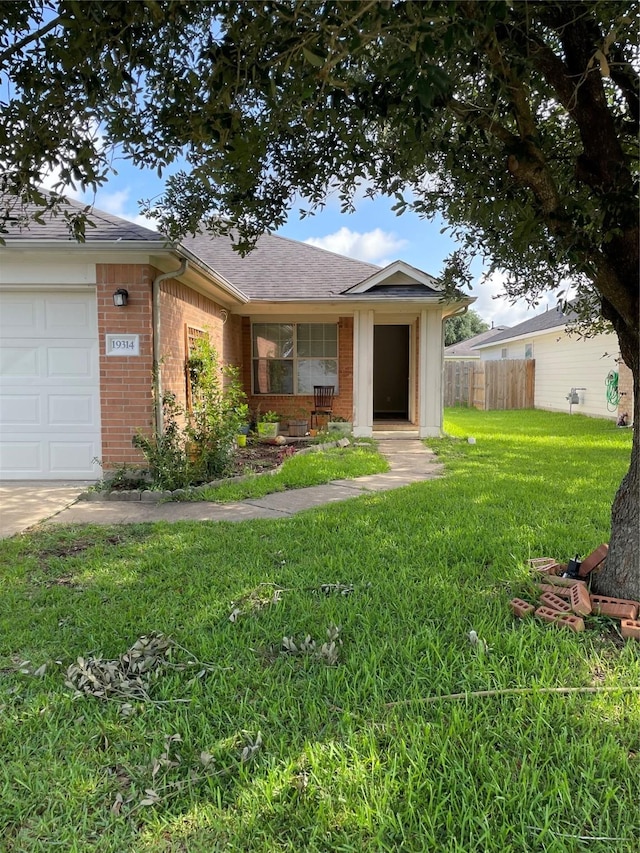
{"x": 49, "y": 385}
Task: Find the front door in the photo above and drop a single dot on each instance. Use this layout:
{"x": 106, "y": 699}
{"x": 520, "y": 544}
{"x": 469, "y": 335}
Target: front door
{"x": 391, "y": 373}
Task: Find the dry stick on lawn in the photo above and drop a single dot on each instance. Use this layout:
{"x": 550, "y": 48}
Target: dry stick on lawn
{"x": 511, "y": 691}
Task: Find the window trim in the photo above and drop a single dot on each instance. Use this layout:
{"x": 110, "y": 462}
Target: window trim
{"x": 295, "y": 358}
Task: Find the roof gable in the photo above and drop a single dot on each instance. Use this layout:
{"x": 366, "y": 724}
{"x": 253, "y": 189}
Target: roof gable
{"x": 397, "y": 274}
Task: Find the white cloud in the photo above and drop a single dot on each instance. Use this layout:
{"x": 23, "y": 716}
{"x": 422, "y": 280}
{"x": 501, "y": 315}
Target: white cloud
{"x": 495, "y": 307}
{"x": 114, "y": 202}
{"x": 373, "y": 246}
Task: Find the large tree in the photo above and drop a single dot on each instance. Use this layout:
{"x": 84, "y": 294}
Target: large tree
{"x": 517, "y": 121}
{"x": 461, "y": 327}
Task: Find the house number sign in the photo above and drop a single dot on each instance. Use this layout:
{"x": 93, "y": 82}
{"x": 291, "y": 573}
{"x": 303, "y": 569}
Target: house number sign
{"x": 122, "y": 344}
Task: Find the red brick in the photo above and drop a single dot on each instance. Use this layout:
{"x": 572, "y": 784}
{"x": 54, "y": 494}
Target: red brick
{"x": 542, "y": 564}
{"x": 521, "y": 608}
{"x": 630, "y": 628}
{"x": 566, "y": 582}
{"x": 617, "y": 608}
{"x": 554, "y": 602}
{"x": 564, "y": 620}
{"x": 595, "y": 558}
{"x": 560, "y": 591}
{"x": 580, "y": 599}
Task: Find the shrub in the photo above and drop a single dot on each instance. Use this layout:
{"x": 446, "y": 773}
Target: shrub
{"x": 196, "y": 446}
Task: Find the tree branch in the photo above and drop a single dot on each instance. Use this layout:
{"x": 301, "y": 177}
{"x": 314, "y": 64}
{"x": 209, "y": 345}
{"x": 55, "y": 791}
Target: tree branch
{"x": 8, "y": 53}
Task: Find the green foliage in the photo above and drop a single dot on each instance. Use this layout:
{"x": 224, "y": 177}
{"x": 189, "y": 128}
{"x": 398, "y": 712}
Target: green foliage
{"x": 463, "y": 326}
{"x": 495, "y": 102}
{"x": 245, "y": 745}
{"x": 516, "y": 121}
{"x": 268, "y": 417}
{"x": 196, "y": 446}
{"x": 219, "y": 409}
{"x": 166, "y": 453}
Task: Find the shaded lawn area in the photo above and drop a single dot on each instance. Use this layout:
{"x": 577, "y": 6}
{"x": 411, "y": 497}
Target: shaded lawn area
{"x": 350, "y": 757}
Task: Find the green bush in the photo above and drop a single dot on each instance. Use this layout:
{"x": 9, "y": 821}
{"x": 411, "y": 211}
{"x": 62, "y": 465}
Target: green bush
{"x": 219, "y": 410}
{"x": 196, "y": 446}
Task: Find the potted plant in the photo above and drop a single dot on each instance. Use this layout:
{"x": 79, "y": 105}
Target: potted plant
{"x": 268, "y": 424}
{"x": 298, "y": 426}
{"x": 241, "y": 414}
{"x": 340, "y": 425}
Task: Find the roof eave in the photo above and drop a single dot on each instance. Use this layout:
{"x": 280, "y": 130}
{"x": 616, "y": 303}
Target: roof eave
{"x": 88, "y": 245}
{"x": 209, "y": 272}
{"x": 561, "y": 327}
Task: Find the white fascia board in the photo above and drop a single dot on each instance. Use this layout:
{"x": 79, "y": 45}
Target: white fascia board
{"x": 156, "y": 252}
{"x": 94, "y": 246}
{"x": 343, "y": 308}
{"x": 552, "y": 330}
{"x": 382, "y": 275}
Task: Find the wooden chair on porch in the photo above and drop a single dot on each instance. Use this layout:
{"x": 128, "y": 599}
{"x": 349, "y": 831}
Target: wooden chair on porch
{"x": 322, "y": 403}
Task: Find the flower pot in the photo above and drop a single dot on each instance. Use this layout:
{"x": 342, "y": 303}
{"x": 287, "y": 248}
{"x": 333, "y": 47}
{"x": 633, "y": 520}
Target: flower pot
{"x": 241, "y": 439}
{"x": 298, "y": 428}
{"x": 268, "y": 430}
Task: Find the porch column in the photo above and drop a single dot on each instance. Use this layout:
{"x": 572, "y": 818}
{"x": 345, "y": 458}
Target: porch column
{"x": 363, "y": 373}
{"x": 430, "y": 361}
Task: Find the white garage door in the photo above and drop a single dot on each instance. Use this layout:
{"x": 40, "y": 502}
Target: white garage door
{"x": 49, "y": 386}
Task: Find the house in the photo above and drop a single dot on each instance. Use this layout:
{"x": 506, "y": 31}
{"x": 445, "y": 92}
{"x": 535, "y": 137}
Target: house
{"x": 465, "y": 350}
{"x": 82, "y": 325}
{"x": 572, "y": 373}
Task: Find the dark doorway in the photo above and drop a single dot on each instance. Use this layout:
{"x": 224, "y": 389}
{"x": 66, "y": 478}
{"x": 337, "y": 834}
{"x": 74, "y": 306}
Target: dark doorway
{"x": 391, "y": 373}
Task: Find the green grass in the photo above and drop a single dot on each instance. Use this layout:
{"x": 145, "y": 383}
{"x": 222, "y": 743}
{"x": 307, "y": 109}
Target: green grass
{"x": 302, "y": 470}
{"x": 352, "y": 758}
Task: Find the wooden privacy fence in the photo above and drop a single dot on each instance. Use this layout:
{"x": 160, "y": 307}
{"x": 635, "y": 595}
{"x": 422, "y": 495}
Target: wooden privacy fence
{"x": 505, "y": 384}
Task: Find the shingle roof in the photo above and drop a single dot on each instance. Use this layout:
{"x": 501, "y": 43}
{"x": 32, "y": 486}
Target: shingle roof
{"x": 464, "y": 348}
{"x": 547, "y": 320}
{"x": 280, "y": 268}
{"x": 106, "y": 226}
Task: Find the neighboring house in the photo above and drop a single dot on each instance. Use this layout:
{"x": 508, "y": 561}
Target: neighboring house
{"x": 565, "y": 362}
{"x": 464, "y": 350}
{"x": 76, "y": 371}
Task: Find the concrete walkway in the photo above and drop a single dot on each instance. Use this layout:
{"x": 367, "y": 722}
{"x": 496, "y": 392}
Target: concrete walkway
{"x": 410, "y": 462}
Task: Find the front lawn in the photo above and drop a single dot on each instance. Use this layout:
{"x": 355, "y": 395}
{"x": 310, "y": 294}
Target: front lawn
{"x": 245, "y": 736}
{"x": 302, "y": 470}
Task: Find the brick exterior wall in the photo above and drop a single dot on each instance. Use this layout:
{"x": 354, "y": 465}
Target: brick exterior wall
{"x": 126, "y": 402}
{"x": 625, "y": 389}
{"x": 293, "y": 405}
{"x": 180, "y": 306}
{"x": 126, "y": 382}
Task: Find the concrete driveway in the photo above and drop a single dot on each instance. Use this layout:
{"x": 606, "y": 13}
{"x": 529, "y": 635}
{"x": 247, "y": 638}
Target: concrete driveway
{"x": 23, "y": 504}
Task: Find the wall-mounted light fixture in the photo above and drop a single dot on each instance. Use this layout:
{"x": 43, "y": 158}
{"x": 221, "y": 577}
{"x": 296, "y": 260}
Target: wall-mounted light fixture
{"x": 120, "y": 297}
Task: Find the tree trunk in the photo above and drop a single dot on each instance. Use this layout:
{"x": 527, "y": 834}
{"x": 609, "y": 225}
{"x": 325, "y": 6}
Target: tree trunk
{"x": 620, "y": 576}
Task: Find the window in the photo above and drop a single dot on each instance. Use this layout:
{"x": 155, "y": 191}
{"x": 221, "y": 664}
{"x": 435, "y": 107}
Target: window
{"x": 504, "y": 352}
{"x": 528, "y": 350}
{"x": 290, "y": 358}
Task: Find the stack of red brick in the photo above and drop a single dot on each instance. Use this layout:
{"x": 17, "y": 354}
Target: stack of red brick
{"x": 564, "y": 601}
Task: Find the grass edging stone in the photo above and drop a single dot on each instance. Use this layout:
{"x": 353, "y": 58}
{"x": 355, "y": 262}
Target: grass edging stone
{"x": 159, "y": 495}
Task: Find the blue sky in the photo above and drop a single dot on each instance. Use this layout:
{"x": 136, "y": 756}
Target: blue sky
{"x": 373, "y": 233}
